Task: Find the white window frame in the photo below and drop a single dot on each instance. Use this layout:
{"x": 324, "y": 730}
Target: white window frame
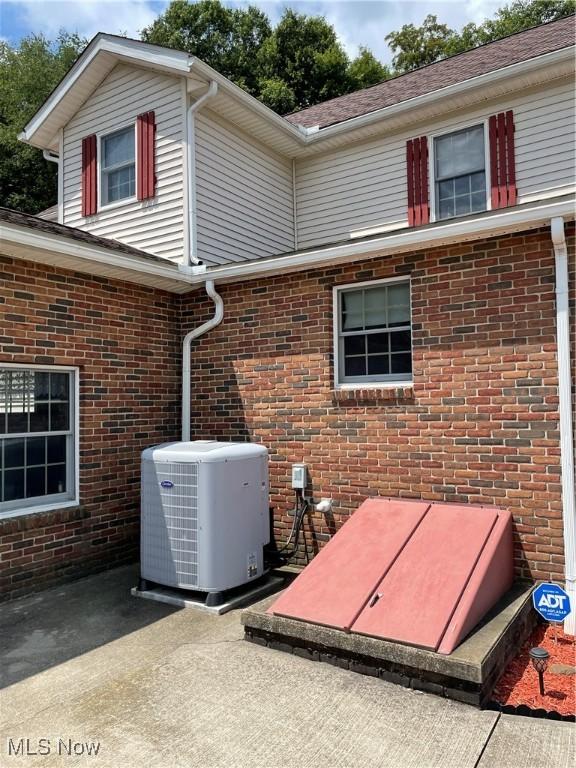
{"x": 101, "y": 171}
{"x": 30, "y": 506}
{"x": 432, "y": 165}
{"x": 365, "y": 383}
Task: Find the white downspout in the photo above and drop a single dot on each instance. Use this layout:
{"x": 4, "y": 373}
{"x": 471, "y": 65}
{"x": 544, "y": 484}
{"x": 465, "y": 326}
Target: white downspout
{"x": 53, "y": 157}
{"x": 565, "y": 412}
{"x": 191, "y": 260}
{"x": 188, "y": 339}
{"x": 191, "y": 257}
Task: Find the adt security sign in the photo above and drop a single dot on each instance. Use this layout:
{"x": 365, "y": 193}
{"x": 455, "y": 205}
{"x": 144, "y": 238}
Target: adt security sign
{"x": 551, "y": 602}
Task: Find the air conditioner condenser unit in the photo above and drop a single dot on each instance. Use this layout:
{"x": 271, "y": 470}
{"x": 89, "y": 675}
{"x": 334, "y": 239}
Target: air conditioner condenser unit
{"x": 204, "y": 515}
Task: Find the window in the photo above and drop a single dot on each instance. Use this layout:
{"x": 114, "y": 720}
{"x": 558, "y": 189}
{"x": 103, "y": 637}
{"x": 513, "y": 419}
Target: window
{"x": 373, "y": 333}
{"x": 460, "y": 173}
{"x": 37, "y": 437}
{"x": 118, "y": 166}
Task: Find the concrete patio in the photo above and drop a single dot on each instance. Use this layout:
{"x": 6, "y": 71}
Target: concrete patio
{"x": 166, "y": 688}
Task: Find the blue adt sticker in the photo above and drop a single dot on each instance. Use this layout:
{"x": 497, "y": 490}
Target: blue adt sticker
{"x": 551, "y": 602}
{"x": 167, "y": 484}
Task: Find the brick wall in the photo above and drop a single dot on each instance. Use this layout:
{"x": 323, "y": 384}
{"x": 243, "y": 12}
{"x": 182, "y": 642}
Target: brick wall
{"x": 126, "y": 341}
{"x": 480, "y": 424}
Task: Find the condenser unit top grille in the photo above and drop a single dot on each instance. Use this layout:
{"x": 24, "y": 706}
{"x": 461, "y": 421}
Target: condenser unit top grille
{"x": 202, "y": 451}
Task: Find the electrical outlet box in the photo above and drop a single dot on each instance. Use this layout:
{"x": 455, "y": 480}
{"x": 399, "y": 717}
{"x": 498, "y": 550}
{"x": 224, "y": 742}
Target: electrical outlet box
{"x": 299, "y": 476}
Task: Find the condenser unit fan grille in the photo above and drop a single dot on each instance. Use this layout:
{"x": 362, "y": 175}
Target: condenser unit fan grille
{"x": 170, "y": 547}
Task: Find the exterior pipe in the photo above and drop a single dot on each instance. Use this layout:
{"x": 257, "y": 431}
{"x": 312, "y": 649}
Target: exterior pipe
{"x": 565, "y": 412}
{"x": 191, "y": 257}
{"x": 188, "y": 339}
{"x": 50, "y": 156}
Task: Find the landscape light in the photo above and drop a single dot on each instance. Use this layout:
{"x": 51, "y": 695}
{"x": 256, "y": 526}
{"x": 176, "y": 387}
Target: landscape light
{"x": 539, "y": 658}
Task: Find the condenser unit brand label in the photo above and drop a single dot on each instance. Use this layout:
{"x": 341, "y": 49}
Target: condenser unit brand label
{"x": 252, "y": 565}
{"x": 167, "y": 484}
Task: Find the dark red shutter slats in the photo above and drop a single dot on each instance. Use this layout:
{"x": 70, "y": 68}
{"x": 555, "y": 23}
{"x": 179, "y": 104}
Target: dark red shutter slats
{"x": 502, "y": 163}
{"x": 89, "y": 176}
{"x": 145, "y": 161}
{"x": 417, "y": 170}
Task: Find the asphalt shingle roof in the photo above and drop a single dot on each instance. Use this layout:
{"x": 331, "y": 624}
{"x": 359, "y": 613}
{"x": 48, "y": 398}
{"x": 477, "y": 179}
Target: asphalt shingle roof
{"x": 8, "y": 216}
{"x": 479, "y": 61}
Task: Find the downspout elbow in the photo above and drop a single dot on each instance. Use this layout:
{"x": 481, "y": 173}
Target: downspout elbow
{"x": 52, "y": 157}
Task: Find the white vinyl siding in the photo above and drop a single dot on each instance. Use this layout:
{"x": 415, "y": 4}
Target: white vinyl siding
{"x": 154, "y": 225}
{"x": 243, "y": 195}
{"x": 363, "y": 187}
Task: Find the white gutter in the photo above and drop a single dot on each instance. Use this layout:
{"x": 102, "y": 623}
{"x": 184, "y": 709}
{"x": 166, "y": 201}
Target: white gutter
{"x": 488, "y": 79}
{"x": 202, "y": 329}
{"x": 181, "y": 63}
{"x": 32, "y": 238}
{"x": 485, "y": 225}
{"x": 192, "y": 256}
{"x": 565, "y": 412}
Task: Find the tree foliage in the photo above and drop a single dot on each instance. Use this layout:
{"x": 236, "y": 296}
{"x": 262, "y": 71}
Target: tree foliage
{"x": 228, "y": 39}
{"x": 417, "y": 46}
{"x": 28, "y": 75}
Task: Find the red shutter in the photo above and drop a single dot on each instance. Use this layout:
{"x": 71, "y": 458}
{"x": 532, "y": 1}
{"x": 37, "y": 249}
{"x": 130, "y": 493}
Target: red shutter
{"x": 502, "y": 162}
{"x": 89, "y": 176}
{"x": 417, "y": 169}
{"x": 145, "y": 162}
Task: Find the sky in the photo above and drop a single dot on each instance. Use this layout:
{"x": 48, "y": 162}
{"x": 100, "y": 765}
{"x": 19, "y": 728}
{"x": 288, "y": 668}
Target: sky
{"x": 357, "y": 22}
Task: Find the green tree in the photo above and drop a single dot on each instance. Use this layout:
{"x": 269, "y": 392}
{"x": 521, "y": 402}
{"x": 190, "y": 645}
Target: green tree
{"x": 366, "y": 70}
{"x": 520, "y": 15}
{"x": 28, "y": 74}
{"x": 227, "y": 39}
{"x": 417, "y": 46}
{"x": 304, "y": 52}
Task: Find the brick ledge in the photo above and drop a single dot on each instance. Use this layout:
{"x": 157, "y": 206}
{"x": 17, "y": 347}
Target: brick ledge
{"x": 380, "y": 394}
{"x": 44, "y": 519}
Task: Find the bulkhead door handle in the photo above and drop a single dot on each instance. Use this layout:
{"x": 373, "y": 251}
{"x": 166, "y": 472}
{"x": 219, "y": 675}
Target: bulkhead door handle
{"x": 374, "y": 600}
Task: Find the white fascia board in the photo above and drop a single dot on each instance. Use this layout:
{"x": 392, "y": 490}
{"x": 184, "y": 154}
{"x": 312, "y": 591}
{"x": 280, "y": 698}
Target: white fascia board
{"x": 309, "y": 136}
{"x": 12, "y": 233}
{"x": 181, "y": 63}
{"x": 509, "y": 220}
{"x": 294, "y": 131}
{"x": 418, "y": 102}
{"x": 161, "y": 58}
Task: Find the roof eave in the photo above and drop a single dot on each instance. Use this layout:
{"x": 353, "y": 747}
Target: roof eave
{"x": 123, "y": 49}
{"x": 22, "y": 242}
{"x": 299, "y": 138}
{"x": 418, "y": 102}
{"x": 485, "y": 225}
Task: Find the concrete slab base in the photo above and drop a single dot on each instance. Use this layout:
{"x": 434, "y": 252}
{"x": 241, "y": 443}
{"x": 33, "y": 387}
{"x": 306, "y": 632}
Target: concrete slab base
{"x": 179, "y": 599}
{"x": 468, "y": 674}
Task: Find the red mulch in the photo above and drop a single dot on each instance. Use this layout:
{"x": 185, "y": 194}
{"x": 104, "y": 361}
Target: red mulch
{"x": 519, "y": 683}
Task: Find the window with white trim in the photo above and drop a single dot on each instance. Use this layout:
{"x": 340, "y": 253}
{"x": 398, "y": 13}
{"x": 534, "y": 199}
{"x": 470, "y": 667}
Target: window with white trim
{"x": 373, "y": 333}
{"x": 37, "y": 437}
{"x": 460, "y": 173}
{"x": 118, "y": 165}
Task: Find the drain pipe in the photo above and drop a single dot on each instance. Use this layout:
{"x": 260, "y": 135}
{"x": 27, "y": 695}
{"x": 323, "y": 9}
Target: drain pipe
{"x": 188, "y": 339}
{"x": 192, "y": 255}
{"x": 191, "y": 261}
{"x": 565, "y": 412}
